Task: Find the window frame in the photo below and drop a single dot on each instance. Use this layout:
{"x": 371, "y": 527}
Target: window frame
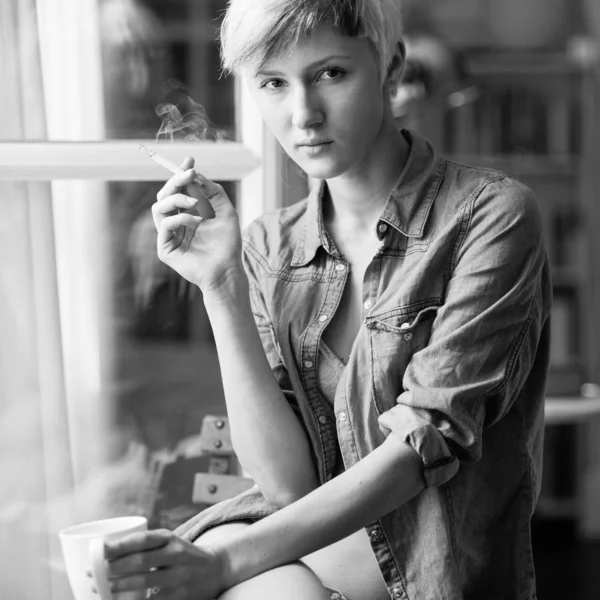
{"x": 255, "y": 161}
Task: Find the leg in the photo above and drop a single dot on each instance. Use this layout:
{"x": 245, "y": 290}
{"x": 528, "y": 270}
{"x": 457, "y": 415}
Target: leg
{"x": 292, "y": 582}
{"x": 350, "y": 567}
{"x": 295, "y": 581}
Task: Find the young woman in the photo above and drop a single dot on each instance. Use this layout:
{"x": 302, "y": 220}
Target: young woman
{"x": 383, "y": 344}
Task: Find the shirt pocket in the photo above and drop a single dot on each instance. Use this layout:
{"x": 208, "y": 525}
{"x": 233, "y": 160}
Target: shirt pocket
{"x": 395, "y": 335}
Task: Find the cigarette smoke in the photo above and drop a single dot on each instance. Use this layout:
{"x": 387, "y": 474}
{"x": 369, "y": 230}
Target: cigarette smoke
{"x": 187, "y": 120}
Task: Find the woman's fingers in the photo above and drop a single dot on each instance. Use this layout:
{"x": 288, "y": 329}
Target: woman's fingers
{"x": 218, "y": 201}
{"x": 176, "y": 183}
{"x": 137, "y": 542}
{"x": 183, "y": 177}
{"x": 188, "y": 163}
{"x": 163, "y": 578}
{"x": 169, "y": 225}
{"x": 215, "y": 194}
{"x": 167, "y": 206}
{"x": 140, "y": 562}
{"x": 210, "y": 188}
{"x": 148, "y": 560}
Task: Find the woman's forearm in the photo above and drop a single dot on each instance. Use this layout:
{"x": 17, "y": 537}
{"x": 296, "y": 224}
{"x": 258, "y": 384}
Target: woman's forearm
{"x": 376, "y": 485}
{"x": 268, "y": 439}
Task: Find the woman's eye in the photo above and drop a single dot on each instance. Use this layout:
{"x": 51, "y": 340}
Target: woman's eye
{"x": 272, "y": 84}
{"x": 331, "y": 73}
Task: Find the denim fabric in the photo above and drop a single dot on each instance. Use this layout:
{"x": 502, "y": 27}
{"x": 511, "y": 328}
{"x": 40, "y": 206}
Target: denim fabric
{"x": 330, "y": 369}
{"x": 452, "y": 358}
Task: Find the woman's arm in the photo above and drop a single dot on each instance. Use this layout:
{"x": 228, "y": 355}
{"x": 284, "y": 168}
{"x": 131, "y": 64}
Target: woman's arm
{"x": 266, "y": 434}
{"x": 382, "y": 481}
{"x": 268, "y": 438}
{"x": 385, "y": 479}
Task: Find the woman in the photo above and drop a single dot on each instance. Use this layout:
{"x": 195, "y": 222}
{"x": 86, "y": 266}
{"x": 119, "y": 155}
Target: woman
{"x": 383, "y": 344}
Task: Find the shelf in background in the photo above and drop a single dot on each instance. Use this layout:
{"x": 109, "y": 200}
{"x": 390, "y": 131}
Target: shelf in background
{"x": 510, "y": 62}
{"x": 565, "y": 377}
{"x": 526, "y": 165}
{"x": 566, "y": 278}
{"x": 571, "y": 409}
{"x": 557, "y": 508}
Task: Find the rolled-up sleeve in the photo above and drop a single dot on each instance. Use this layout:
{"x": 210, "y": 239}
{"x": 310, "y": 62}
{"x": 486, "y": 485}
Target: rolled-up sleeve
{"x": 484, "y": 337}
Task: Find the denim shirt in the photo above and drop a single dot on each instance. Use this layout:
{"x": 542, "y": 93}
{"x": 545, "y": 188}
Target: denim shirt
{"x": 451, "y": 357}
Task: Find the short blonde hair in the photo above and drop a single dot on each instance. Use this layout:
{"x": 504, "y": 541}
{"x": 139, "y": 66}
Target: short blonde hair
{"x": 254, "y": 32}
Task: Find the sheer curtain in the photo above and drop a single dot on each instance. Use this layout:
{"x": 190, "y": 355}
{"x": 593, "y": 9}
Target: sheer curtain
{"x": 69, "y": 34}
{"x": 34, "y": 437}
{"x": 53, "y": 354}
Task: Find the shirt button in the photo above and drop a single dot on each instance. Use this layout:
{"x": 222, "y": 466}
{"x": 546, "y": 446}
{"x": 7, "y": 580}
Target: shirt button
{"x": 408, "y": 337}
{"x": 368, "y": 304}
{"x": 397, "y": 593}
{"x": 308, "y": 364}
{"x": 405, "y": 326}
{"x": 340, "y": 267}
{"x": 375, "y": 535}
{"x": 342, "y": 416}
{"x": 382, "y": 228}
{"x": 323, "y": 419}
{"x": 323, "y": 318}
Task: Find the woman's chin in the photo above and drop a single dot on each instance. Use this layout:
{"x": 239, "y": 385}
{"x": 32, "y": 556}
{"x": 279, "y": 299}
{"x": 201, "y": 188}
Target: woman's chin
{"x": 321, "y": 168}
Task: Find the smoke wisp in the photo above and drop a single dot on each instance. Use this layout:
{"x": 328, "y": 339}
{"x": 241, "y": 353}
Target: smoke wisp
{"x": 187, "y": 120}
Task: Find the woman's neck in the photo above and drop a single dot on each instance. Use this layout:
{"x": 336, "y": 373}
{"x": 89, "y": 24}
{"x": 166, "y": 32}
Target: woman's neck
{"x": 358, "y": 197}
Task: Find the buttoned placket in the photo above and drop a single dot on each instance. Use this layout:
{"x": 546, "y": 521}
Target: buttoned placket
{"x": 371, "y": 283}
{"x": 338, "y": 275}
{"x": 342, "y": 407}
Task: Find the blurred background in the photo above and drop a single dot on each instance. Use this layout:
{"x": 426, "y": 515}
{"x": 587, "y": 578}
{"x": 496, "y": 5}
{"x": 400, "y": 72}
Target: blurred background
{"x": 108, "y": 369}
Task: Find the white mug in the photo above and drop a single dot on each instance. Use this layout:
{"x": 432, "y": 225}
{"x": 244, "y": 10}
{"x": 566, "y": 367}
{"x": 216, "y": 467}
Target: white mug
{"x": 83, "y": 550}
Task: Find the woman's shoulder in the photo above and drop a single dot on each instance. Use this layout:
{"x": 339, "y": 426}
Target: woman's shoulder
{"x": 488, "y": 190}
{"x": 276, "y": 233}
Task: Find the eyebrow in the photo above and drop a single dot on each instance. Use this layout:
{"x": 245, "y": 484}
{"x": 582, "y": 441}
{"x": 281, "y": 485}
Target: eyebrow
{"x": 317, "y": 63}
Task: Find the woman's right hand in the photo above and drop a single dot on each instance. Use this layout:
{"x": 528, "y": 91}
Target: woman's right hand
{"x": 205, "y": 251}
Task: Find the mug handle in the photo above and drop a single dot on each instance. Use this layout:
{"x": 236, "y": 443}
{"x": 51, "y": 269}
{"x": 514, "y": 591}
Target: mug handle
{"x": 99, "y": 569}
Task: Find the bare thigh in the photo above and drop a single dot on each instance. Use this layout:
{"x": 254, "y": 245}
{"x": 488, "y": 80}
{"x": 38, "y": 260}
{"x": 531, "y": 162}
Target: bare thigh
{"x": 294, "y": 581}
{"x": 350, "y": 567}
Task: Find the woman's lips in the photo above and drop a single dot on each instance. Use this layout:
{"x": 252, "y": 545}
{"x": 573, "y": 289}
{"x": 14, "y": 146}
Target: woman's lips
{"x": 317, "y": 148}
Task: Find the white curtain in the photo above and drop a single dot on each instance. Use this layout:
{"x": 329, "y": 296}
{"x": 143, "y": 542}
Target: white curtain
{"x": 54, "y": 350}
{"x": 34, "y": 443}
{"x": 69, "y": 33}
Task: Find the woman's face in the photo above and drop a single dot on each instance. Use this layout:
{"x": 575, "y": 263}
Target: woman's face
{"x": 324, "y": 102}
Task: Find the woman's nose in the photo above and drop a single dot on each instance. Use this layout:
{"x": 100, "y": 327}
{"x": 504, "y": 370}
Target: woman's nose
{"x": 307, "y": 111}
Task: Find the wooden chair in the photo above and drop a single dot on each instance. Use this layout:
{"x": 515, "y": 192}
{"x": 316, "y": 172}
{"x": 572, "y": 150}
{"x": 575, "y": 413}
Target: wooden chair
{"x": 204, "y": 472}
{"x": 224, "y": 477}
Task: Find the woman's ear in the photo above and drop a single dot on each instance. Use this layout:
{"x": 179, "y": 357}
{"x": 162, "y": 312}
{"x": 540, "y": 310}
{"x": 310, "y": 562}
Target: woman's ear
{"x": 396, "y": 65}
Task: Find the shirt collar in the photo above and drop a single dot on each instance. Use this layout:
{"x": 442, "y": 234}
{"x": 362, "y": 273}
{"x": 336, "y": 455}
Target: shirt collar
{"x": 407, "y": 207}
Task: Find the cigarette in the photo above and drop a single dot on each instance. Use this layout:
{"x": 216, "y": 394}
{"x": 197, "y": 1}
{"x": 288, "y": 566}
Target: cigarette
{"x": 157, "y": 158}
{"x": 167, "y": 164}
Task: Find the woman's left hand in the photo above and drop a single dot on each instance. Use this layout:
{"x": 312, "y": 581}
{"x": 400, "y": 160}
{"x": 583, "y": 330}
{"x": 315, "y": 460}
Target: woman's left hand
{"x": 160, "y": 559}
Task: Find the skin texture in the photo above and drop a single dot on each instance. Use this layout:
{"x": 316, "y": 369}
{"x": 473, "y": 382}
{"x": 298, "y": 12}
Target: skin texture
{"x": 307, "y": 95}
{"x": 330, "y": 88}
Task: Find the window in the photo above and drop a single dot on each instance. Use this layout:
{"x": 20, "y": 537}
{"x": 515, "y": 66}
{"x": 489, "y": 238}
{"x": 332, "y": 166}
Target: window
{"x": 107, "y": 364}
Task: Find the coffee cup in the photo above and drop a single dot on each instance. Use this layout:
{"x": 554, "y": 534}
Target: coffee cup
{"x": 83, "y": 551}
